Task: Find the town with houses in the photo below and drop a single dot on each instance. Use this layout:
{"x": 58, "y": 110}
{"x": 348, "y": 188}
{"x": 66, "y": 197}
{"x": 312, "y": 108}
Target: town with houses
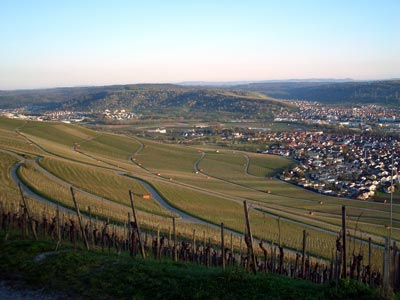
{"x": 67, "y": 116}
{"x": 363, "y": 117}
{"x": 358, "y": 159}
{"x": 354, "y": 166}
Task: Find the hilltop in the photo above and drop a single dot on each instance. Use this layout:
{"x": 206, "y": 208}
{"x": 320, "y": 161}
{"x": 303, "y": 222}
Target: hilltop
{"x": 204, "y": 100}
{"x": 379, "y": 92}
{"x": 146, "y": 99}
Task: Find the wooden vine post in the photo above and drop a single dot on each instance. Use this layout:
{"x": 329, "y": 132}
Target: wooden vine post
{"x": 27, "y": 211}
{"x": 174, "y": 232}
{"x": 253, "y": 257}
{"x": 58, "y": 227}
{"x": 137, "y": 225}
{"x": 79, "y": 218}
{"x": 158, "y": 250}
{"x": 223, "y": 246}
{"x": 261, "y": 244}
{"x": 129, "y": 231}
{"x": 344, "y": 241}
{"x": 194, "y": 243}
{"x": 90, "y": 224}
{"x": 369, "y": 262}
{"x": 386, "y": 272}
{"x": 303, "y": 255}
{"x": 232, "y": 243}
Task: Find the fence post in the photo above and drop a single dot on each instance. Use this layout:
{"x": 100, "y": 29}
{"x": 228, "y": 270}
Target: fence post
{"x": 158, "y": 250}
{"x": 223, "y": 246}
{"x": 344, "y": 242}
{"x": 129, "y": 231}
{"x": 26, "y": 207}
{"x": 58, "y": 227}
{"x": 369, "y": 262}
{"x": 137, "y": 225}
{"x": 386, "y": 268}
{"x": 194, "y": 244}
{"x": 253, "y": 258}
{"x": 90, "y": 231}
{"x": 392, "y": 265}
{"x": 174, "y": 232}
{"x": 79, "y": 218}
{"x": 303, "y": 258}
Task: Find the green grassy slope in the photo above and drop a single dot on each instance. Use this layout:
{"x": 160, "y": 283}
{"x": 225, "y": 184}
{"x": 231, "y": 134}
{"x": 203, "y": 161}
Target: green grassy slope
{"x": 95, "y": 275}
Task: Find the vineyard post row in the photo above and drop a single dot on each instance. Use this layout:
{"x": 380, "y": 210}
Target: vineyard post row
{"x": 134, "y": 241}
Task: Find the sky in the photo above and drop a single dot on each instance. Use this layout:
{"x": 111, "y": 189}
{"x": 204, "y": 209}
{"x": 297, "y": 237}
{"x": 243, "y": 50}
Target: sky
{"x": 81, "y": 42}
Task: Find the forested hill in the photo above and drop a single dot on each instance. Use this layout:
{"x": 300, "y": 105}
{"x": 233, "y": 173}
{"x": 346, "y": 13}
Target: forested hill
{"x": 249, "y": 99}
{"x": 380, "y": 92}
{"x": 146, "y": 99}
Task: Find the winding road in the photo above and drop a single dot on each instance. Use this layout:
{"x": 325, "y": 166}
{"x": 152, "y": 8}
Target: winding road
{"x": 156, "y": 196}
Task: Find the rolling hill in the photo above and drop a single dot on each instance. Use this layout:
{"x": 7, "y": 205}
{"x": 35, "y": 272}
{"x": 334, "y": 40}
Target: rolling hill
{"x": 378, "y": 92}
{"x": 145, "y": 99}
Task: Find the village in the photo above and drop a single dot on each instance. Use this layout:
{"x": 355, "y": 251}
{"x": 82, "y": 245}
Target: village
{"x": 365, "y": 118}
{"x": 353, "y": 166}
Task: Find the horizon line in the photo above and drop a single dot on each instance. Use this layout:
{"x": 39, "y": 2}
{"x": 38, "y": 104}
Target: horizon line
{"x": 207, "y": 83}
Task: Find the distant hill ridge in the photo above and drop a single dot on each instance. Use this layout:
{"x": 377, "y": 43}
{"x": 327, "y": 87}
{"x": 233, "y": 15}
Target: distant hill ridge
{"x": 160, "y": 99}
{"x": 385, "y": 92}
{"x": 249, "y": 98}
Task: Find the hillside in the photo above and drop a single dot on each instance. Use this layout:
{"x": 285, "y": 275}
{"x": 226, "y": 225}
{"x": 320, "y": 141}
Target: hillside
{"x": 148, "y": 99}
{"x": 203, "y": 186}
{"x": 243, "y": 100}
{"x": 382, "y": 92}
{"x": 78, "y": 274}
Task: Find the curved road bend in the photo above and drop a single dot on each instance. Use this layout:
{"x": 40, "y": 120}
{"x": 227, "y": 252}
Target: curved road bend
{"x": 68, "y": 185}
{"x": 156, "y": 196}
{"x": 32, "y": 194}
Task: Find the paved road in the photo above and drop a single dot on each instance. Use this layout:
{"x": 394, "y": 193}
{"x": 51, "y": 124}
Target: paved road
{"x": 183, "y": 215}
{"x": 32, "y": 194}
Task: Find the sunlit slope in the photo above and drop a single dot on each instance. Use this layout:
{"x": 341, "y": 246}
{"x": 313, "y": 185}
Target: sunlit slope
{"x": 110, "y": 145}
{"x": 7, "y": 188}
{"x": 10, "y": 124}
{"x": 168, "y": 160}
{"x": 209, "y": 184}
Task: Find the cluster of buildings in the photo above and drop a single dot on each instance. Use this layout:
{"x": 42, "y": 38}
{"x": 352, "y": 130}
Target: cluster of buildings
{"x": 365, "y": 117}
{"x": 353, "y": 166}
{"x": 65, "y": 116}
{"x": 120, "y": 115}
{"x": 59, "y": 115}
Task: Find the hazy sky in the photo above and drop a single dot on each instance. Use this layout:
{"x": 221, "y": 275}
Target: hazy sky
{"x": 68, "y": 43}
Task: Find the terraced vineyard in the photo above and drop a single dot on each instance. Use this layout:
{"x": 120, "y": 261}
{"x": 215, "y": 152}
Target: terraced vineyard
{"x": 203, "y": 186}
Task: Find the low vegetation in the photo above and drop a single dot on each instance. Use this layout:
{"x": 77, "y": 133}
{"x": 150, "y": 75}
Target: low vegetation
{"x": 95, "y": 275}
